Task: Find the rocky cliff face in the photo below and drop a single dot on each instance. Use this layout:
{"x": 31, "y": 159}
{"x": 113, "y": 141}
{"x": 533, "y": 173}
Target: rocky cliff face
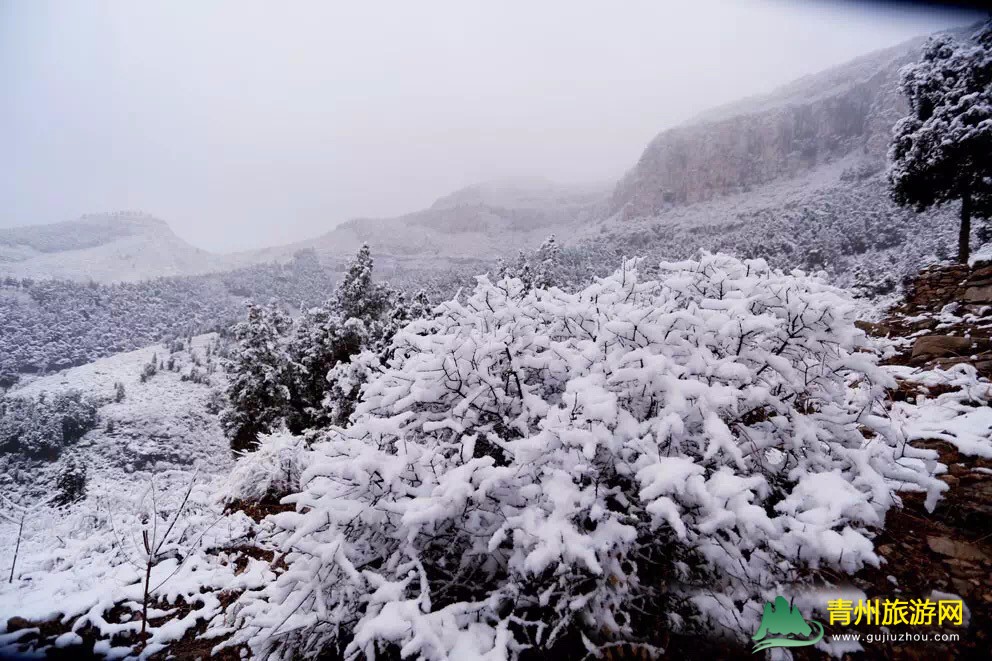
{"x": 815, "y": 120}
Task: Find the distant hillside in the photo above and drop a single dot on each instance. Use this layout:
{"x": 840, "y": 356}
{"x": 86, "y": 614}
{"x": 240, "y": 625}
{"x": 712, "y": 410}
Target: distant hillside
{"x": 836, "y": 218}
{"x": 473, "y": 224}
{"x": 479, "y": 222}
{"x": 49, "y": 325}
{"x": 114, "y": 247}
{"x": 795, "y": 175}
{"x": 813, "y": 121}
{"x": 160, "y": 421}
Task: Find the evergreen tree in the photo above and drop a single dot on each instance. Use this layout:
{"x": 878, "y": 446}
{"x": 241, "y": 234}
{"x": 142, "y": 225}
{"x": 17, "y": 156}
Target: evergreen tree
{"x": 540, "y": 269}
{"x": 321, "y": 341}
{"x": 524, "y": 271}
{"x": 358, "y": 296}
{"x": 257, "y": 394}
{"x": 548, "y": 260}
{"x": 361, "y": 316}
{"x": 42, "y": 427}
{"x": 942, "y": 151}
{"x": 70, "y": 483}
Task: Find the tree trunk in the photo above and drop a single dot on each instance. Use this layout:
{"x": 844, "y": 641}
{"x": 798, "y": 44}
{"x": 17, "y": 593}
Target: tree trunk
{"x": 148, "y": 577}
{"x": 17, "y": 548}
{"x": 964, "y": 237}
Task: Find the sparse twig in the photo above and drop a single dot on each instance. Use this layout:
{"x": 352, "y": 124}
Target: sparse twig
{"x": 21, "y": 513}
{"x": 151, "y": 549}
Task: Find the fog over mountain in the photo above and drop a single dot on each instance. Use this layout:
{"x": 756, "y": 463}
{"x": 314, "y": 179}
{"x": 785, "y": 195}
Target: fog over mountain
{"x": 244, "y": 127}
{"x": 804, "y": 163}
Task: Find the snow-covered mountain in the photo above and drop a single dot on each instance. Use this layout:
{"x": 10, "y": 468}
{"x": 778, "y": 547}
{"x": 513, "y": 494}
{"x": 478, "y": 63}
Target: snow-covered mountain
{"x": 775, "y": 155}
{"x": 122, "y": 246}
{"x": 477, "y": 222}
{"x": 796, "y": 176}
{"x": 813, "y": 121}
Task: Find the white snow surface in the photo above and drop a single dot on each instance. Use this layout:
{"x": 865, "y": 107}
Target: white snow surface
{"x": 951, "y": 416}
{"x": 161, "y": 422}
{"x": 578, "y": 416}
{"x": 81, "y": 560}
{"x": 534, "y": 445}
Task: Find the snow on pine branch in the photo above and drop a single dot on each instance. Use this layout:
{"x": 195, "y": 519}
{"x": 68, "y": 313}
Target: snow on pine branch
{"x": 536, "y": 467}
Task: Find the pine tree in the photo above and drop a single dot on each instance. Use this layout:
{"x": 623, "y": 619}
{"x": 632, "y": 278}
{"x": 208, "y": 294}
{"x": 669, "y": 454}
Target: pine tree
{"x": 358, "y": 296}
{"x": 540, "y": 269}
{"x": 328, "y": 336}
{"x": 548, "y": 260}
{"x": 942, "y": 151}
{"x": 524, "y": 271}
{"x": 321, "y": 341}
{"x": 361, "y": 316}
{"x": 70, "y": 483}
{"x": 257, "y": 394}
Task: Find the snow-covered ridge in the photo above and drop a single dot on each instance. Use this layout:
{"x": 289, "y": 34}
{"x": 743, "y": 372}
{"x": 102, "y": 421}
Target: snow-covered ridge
{"x": 811, "y": 123}
{"x": 88, "y": 231}
{"x": 479, "y": 222}
{"x": 115, "y": 247}
{"x": 161, "y": 422}
{"x": 845, "y": 110}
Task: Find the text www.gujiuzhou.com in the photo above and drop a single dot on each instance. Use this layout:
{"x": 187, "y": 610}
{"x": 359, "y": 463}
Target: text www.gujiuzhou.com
{"x": 896, "y": 637}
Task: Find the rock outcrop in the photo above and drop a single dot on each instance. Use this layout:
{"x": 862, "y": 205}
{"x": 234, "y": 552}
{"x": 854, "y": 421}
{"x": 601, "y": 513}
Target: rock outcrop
{"x": 848, "y": 110}
{"x": 945, "y": 318}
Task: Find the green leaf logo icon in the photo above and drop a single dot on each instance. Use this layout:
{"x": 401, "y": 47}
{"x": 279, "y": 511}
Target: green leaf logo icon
{"x": 786, "y": 623}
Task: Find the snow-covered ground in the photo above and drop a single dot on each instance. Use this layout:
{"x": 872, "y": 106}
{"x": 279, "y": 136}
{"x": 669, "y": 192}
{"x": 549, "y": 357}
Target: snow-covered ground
{"x": 141, "y": 459}
{"x": 957, "y": 417}
{"x": 85, "y": 564}
{"x": 162, "y": 422}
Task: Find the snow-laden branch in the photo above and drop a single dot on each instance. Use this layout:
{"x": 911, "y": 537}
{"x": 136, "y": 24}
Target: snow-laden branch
{"x": 539, "y": 466}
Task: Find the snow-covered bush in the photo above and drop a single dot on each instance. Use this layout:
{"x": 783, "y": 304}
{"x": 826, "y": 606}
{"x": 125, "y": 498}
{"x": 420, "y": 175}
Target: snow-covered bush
{"x": 269, "y": 472}
{"x": 537, "y": 468}
{"x": 70, "y": 482}
{"x": 41, "y": 427}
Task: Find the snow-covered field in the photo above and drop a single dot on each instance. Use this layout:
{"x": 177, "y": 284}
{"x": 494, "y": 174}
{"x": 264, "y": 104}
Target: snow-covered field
{"x": 85, "y": 564}
{"x": 149, "y": 448}
{"x": 162, "y": 421}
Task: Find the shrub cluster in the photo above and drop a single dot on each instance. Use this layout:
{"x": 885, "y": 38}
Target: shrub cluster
{"x": 539, "y": 469}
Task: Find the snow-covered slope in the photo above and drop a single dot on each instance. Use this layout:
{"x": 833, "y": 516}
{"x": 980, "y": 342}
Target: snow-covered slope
{"x": 116, "y": 247}
{"x": 163, "y": 422}
{"x": 778, "y": 148}
{"x": 478, "y": 222}
{"x": 157, "y": 443}
{"x": 837, "y": 217}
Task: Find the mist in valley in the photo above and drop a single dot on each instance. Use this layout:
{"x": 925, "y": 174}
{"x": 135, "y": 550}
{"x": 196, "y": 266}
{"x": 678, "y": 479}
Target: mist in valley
{"x": 246, "y": 127}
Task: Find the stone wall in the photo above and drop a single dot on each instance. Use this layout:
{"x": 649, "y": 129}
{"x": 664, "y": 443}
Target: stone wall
{"x": 947, "y": 315}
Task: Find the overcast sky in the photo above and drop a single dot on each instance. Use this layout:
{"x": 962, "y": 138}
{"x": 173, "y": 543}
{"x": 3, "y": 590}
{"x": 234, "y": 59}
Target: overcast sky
{"x": 245, "y": 124}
